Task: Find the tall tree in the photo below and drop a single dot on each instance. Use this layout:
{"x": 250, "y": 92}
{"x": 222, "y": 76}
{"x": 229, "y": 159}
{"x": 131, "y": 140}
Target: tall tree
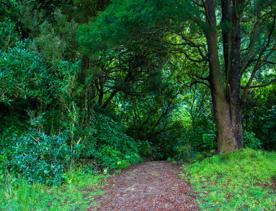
{"x": 225, "y": 80}
{"x": 226, "y": 67}
{"x": 224, "y": 27}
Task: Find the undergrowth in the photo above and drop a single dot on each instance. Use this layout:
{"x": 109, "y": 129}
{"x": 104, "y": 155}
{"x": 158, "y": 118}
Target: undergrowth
{"x": 240, "y": 180}
{"x": 77, "y": 193}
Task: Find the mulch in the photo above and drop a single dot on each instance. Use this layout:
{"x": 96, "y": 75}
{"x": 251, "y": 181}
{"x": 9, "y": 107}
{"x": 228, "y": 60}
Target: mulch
{"x": 150, "y": 186}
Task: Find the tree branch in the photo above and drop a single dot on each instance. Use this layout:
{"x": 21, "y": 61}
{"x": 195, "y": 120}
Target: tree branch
{"x": 250, "y": 56}
{"x": 261, "y": 85}
{"x": 258, "y": 62}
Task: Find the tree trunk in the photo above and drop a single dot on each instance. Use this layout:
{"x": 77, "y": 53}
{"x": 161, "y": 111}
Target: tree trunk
{"x": 226, "y": 110}
{"x": 234, "y": 78}
{"x": 225, "y": 82}
{"x": 228, "y": 123}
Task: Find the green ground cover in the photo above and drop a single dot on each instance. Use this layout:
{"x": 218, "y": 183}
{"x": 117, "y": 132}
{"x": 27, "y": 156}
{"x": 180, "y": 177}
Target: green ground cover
{"x": 235, "y": 181}
{"x": 77, "y": 193}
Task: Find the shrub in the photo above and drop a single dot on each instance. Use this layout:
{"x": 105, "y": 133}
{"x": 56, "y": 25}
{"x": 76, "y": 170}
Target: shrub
{"x": 111, "y": 158}
{"x": 41, "y": 158}
{"x": 208, "y": 141}
{"x": 250, "y": 140}
{"x": 146, "y": 149}
{"x": 183, "y": 152}
{"x": 23, "y": 74}
{"x": 107, "y": 143}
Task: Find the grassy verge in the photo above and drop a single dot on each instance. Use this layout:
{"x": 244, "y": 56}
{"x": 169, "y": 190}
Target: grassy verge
{"x": 77, "y": 193}
{"x": 240, "y": 180}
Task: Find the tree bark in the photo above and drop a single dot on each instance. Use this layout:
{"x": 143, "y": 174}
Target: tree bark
{"x": 225, "y": 81}
{"x": 235, "y": 74}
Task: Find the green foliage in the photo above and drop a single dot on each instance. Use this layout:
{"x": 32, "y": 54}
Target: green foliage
{"x": 234, "y": 181}
{"x": 10, "y": 129}
{"x": 22, "y": 75}
{"x": 146, "y": 149}
{"x": 108, "y": 144}
{"x": 183, "y": 151}
{"x": 209, "y": 141}
{"x": 7, "y": 35}
{"x": 260, "y": 114}
{"x": 123, "y": 22}
{"x": 250, "y": 140}
{"x": 197, "y": 139}
{"x": 76, "y": 193}
{"x": 38, "y": 157}
{"x": 61, "y": 35}
{"x": 111, "y": 158}
{"x": 187, "y": 149}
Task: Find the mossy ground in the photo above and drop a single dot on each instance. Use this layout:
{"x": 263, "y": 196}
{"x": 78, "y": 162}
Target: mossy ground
{"x": 240, "y": 180}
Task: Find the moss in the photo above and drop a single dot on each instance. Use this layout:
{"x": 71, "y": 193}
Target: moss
{"x": 234, "y": 181}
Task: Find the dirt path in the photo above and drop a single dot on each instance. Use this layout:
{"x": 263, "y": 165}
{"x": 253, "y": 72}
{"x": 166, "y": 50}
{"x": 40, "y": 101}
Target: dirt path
{"x": 149, "y": 186}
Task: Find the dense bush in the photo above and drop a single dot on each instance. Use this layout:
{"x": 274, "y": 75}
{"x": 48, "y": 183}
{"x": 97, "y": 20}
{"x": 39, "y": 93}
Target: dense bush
{"x": 146, "y": 149}
{"x": 195, "y": 143}
{"x": 39, "y": 157}
{"x": 265, "y": 126}
{"x": 23, "y": 74}
{"x": 260, "y": 116}
{"x": 111, "y": 158}
{"x": 107, "y": 143}
{"x": 250, "y": 140}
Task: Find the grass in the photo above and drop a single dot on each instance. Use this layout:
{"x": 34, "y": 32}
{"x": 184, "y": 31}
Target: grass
{"x": 240, "y": 180}
{"x": 77, "y": 193}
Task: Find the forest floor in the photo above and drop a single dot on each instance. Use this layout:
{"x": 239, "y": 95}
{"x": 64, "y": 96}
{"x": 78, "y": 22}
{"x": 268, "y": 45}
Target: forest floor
{"x": 148, "y": 186}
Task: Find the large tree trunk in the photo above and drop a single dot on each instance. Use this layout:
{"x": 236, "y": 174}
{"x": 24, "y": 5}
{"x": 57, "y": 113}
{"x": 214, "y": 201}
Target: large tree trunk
{"x": 225, "y": 82}
{"x": 228, "y": 123}
{"x": 234, "y": 77}
{"x": 226, "y": 105}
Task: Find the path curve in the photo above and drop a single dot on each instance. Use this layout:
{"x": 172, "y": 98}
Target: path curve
{"x": 150, "y": 186}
